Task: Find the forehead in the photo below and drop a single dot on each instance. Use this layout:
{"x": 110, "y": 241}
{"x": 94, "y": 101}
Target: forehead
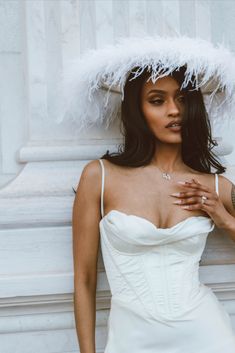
{"x": 167, "y": 83}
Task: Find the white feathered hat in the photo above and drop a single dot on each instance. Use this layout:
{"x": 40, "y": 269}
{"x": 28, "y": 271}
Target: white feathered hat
{"x": 94, "y": 84}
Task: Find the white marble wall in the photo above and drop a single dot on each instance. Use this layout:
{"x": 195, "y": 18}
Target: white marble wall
{"x": 41, "y": 161}
{"x": 38, "y": 38}
{"x": 13, "y": 127}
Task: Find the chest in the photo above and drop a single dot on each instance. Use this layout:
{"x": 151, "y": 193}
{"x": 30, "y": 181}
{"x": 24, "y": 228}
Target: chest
{"x": 150, "y": 199}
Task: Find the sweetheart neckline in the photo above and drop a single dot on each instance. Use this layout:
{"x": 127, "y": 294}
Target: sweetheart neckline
{"x": 148, "y": 221}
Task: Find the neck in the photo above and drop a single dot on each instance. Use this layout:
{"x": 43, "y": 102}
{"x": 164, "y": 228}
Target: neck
{"x": 168, "y": 157}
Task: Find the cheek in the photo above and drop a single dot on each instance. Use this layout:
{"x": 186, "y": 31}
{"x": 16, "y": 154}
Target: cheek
{"x": 153, "y": 115}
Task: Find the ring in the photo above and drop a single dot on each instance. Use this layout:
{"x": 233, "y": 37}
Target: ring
{"x": 203, "y": 199}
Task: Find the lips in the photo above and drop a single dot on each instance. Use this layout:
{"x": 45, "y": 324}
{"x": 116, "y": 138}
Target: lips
{"x": 174, "y": 123}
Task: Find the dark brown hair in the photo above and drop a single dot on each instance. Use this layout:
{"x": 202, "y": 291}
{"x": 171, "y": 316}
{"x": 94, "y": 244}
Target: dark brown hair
{"x": 139, "y": 141}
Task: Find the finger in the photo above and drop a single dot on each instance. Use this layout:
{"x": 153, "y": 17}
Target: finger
{"x": 185, "y": 194}
{"x": 194, "y": 186}
{"x": 206, "y": 206}
{"x": 196, "y": 181}
{"x": 196, "y": 200}
{"x": 212, "y": 195}
{"x": 188, "y": 201}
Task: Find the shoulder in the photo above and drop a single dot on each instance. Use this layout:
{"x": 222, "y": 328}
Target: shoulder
{"x": 227, "y": 193}
{"x": 93, "y": 167}
{"x": 90, "y": 177}
{"x": 224, "y": 184}
{"x": 209, "y": 180}
{"x": 226, "y": 189}
{"x": 91, "y": 170}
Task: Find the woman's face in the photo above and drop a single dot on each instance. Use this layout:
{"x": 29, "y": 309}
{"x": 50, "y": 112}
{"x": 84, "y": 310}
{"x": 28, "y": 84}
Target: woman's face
{"x": 162, "y": 104}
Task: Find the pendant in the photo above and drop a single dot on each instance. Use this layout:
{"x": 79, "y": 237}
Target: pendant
{"x": 166, "y": 176}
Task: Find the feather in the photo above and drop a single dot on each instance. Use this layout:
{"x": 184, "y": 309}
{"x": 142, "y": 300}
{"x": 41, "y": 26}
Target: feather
{"x": 93, "y": 85}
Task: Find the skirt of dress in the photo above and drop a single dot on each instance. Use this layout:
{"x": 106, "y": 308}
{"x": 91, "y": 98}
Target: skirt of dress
{"x": 206, "y": 329}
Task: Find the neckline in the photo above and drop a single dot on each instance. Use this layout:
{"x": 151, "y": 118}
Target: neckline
{"x": 151, "y": 223}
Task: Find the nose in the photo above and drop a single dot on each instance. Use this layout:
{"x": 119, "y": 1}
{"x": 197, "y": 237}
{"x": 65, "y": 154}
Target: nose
{"x": 173, "y": 109}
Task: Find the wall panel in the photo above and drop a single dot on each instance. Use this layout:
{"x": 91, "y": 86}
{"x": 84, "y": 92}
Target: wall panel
{"x": 36, "y": 277}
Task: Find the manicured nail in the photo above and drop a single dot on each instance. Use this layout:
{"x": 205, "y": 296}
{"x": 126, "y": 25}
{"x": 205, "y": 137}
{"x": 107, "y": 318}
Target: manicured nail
{"x": 177, "y": 201}
{"x": 181, "y": 182}
{"x": 185, "y": 207}
{"x": 175, "y": 194}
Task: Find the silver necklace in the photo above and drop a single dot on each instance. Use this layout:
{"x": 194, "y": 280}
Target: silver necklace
{"x": 165, "y": 175}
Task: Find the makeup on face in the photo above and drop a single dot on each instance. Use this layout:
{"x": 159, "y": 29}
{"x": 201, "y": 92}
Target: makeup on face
{"x": 158, "y": 97}
{"x": 163, "y": 105}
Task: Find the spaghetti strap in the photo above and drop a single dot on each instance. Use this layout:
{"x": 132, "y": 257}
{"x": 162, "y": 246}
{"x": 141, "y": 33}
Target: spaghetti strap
{"x": 102, "y": 189}
{"x": 216, "y": 184}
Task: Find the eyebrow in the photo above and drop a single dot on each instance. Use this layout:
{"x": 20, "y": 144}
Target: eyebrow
{"x": 161, "y": 91}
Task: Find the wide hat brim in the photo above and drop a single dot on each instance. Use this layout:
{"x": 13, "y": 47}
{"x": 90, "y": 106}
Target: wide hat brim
{"x": 93, "y": 85}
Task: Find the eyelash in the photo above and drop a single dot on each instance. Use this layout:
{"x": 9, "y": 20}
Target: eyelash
{"x": 160, "y": 101}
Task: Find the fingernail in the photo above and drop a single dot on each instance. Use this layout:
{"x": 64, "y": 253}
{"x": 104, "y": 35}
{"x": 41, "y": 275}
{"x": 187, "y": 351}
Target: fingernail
{"x": 185, "y": 207}
{"x": 181, "y": 182}
{"x": 175, "y": 194}
{"x": 177, "y": 201}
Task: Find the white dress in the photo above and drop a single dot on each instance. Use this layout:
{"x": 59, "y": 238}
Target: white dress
{"x": 158, "y": 304}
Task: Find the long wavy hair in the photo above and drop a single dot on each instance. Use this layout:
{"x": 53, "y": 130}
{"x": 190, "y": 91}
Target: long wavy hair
{"x": 139, "y": 143}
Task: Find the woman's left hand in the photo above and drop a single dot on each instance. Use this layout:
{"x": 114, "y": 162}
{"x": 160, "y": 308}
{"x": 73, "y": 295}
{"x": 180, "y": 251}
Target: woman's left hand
{"x": 201, "y": 197}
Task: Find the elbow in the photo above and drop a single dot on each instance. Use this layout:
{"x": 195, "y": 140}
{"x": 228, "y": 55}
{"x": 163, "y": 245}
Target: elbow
{"x": 87, "y": 282}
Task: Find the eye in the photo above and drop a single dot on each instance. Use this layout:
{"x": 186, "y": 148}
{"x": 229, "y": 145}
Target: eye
{"x": 157, "y": 101}
{"x": 181, "y": 99}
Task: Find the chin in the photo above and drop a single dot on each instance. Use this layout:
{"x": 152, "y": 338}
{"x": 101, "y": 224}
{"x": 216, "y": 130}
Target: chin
{"x": 170, "y": 140}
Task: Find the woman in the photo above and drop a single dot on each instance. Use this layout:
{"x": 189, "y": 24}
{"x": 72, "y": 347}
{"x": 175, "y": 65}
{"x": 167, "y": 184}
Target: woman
{"x": 153, "y": 205}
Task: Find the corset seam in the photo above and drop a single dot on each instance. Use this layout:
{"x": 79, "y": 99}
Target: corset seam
{"x": 149, "y": 285}
{"x": 129, "y": 285}
{"x": 166, "y": 284}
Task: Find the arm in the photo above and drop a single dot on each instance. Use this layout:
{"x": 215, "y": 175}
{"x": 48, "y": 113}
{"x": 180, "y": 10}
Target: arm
{"x": 85, "y": 225}
{"x": 228, "y": 199}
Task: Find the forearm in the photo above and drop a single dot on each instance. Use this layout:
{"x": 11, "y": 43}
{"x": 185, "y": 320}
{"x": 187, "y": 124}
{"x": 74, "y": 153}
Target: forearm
{"x": 229, "y": 227}
{"x": 85, "y": 317}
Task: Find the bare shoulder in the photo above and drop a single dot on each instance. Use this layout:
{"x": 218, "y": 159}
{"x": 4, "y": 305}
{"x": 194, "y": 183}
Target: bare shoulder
{"x": 91, "y": 170}
{"x": 226, "y": 190}
{"x": 224, "y": 184}
{"x": 209, "y": 180}
{"x": 227, "y": 193}
{"x": 87, "y": 199}
{"x": 90, "y": 176}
